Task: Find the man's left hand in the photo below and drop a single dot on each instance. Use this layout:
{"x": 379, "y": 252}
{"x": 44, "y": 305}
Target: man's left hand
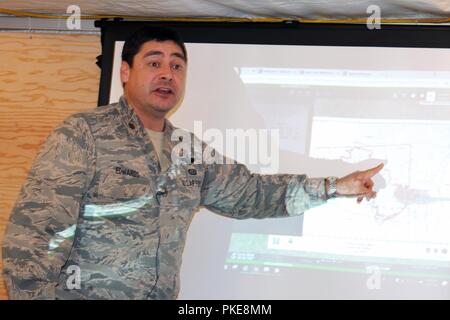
{"x": 358, "y": 184}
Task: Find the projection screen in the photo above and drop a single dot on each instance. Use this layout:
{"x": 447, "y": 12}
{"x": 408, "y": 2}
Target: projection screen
{"x": 322, "y": 109}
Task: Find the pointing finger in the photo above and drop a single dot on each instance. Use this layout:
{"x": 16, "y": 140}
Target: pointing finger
{"x": 373, "y": 171}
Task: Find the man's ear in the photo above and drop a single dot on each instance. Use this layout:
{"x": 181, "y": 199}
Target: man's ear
{"x": 124, "y": 72}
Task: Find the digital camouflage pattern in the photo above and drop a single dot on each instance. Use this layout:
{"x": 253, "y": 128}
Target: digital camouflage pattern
{"x": 95, "y": 198}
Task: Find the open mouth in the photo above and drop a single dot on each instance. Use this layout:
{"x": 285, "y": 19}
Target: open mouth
{"x": 163, "y": 91}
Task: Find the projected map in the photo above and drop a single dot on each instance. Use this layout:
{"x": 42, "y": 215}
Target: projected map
{"x": 413, "y": 205}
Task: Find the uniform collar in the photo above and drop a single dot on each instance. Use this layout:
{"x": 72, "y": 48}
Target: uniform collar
{"x": 134, "y": 124}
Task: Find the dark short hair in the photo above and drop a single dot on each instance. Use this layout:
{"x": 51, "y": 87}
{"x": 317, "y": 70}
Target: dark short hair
{"x": 134, "y": 42}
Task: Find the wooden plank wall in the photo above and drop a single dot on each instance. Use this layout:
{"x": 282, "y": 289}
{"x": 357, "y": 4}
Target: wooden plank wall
{"x": 43, "y": 79}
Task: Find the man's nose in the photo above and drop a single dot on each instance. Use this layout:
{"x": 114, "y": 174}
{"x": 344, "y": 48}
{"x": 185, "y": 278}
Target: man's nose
{"x": 166, "y": 73}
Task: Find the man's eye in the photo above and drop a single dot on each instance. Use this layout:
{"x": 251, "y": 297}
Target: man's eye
{"x": 177, "y": 67}
{"x": 154, "y": 64}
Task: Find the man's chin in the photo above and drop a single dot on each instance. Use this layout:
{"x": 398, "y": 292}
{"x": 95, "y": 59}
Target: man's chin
{"x": 162, "y": 107}
{"x": 163, "y": 110}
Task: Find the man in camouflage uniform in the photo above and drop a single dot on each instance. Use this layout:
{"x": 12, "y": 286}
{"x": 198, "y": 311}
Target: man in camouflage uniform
{"x": 110, "y": 195}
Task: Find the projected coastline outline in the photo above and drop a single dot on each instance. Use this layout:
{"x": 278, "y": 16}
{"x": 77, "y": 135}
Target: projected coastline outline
{"x": 413, "y": 206}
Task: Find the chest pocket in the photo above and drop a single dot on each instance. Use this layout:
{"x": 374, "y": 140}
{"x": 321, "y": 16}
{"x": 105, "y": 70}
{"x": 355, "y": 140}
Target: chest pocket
{"x": 180, "y": 186}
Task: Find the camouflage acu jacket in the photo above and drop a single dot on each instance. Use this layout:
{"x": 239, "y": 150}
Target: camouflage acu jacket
{"x": 95, "y": 201}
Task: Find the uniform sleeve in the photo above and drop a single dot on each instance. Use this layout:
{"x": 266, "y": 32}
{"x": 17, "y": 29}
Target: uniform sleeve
{"x": 48, "y": 204}
{"x": 233, "y": 191}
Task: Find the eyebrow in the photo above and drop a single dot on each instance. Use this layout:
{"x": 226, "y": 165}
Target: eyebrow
{"x": 160, "y": 53}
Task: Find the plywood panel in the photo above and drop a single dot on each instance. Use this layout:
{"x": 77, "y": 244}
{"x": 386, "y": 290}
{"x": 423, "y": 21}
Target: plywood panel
{"x": 43, "y": 79}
